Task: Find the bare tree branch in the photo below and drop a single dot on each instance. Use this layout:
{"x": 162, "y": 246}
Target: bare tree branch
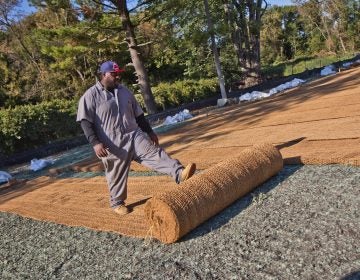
{"x": 105, "y": 5}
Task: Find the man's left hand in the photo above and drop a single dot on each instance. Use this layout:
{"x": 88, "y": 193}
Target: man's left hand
{"x": 154, "y": 138}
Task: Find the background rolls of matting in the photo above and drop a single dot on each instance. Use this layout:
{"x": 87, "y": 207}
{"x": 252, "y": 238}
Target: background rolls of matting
{"x": 173, "y": 214}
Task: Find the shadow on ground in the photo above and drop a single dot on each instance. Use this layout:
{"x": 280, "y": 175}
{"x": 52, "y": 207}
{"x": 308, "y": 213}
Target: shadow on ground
{"x": 352, "y": 276}
{"x": 238, "y": 206}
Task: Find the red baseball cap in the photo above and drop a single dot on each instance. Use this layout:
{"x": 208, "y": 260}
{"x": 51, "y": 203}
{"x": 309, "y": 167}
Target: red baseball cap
{"x": 110, "y": 66}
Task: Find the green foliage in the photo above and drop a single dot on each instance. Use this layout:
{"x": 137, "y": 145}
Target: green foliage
{"x": 316, "y": 42}
{"x": 301, "y": 64}
{"x": 29, "y": 126}
{"x": 55, "y": 52}
{"x": 57, "y": 57}
{"x": 3, "y": 98}
{"x": 185, "y": 91}
{"x": 283, "y": 35}
{"x": 178, "y": 31}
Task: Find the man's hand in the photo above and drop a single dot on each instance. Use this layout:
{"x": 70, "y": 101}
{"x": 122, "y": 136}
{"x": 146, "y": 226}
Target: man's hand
{"x": 100, "y": 150}
{"x": 154, "y": 138}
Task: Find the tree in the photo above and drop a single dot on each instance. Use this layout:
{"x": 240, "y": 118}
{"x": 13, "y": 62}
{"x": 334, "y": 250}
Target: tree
{"x": 244, "y": 21}
{"x": 215, "y": 51}
{"x": 136, "y": 57}
{"x": 16, "y": 55}
{"x": 186, "y": 48}
{"x": 283, "y": 36}
{"x": 329, "y": 23}
{"x": 272, "y": 36}
{"x": 7, "y": 23}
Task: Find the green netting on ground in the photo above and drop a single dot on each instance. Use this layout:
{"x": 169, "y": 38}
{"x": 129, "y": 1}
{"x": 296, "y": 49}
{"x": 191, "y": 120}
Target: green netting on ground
{"x": 62, "y": 159}
{"x": 168, "y": 127}
{"x": 76, "y": 155}
{"x": 73, "y": 174}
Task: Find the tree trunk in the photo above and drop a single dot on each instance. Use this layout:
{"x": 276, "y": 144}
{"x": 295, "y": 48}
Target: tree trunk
{"x": 137, "y": 60}
{"x": 254, "y": 23}
{"x": 244, "y": 19}
{"x": 235, "y": 32}
{"x": 215, "y": 51}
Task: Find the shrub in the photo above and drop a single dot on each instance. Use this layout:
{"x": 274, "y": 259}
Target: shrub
{"x": 184, "y": 91}
{"x": 29, "y": 126}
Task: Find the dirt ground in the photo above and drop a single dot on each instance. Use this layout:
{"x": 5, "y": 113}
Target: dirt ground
{"x": 315, "y": 124}
{"x": 303, "y": 223}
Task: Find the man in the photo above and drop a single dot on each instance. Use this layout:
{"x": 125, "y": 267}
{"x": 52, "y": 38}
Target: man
{"x": 115, "y": 125}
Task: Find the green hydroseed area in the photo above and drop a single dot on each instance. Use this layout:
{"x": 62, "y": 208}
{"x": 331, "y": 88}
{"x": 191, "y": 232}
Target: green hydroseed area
{"x": 60, "y": 160}
{"x": 73, "y": 174}
{"x": 76, "y": 155}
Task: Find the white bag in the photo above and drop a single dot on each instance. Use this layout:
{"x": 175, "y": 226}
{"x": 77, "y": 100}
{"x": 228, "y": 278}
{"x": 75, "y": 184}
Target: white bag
{"x": 4, "y": 177}
{"x": 37, "y": 164}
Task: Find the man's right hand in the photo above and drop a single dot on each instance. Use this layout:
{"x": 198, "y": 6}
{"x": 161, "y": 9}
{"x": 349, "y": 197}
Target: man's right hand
{"x": 100, "y": 150}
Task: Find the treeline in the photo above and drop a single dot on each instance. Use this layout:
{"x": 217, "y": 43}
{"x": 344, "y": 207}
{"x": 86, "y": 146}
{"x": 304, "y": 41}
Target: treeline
{"x": 54, "y": 53}
{"x": 311, "y": 28}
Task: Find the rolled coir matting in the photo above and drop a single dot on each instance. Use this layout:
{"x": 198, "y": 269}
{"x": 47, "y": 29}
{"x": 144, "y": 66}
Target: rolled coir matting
{"x": 173, "y": 214}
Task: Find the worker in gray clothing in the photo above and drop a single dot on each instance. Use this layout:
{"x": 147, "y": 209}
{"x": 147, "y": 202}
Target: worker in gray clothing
{"x": 115, "y": 125}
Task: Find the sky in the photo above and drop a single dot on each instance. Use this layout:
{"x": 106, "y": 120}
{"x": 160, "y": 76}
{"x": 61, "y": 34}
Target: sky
{"x": 280, "y": 2}
{"x": 27, "y": 9}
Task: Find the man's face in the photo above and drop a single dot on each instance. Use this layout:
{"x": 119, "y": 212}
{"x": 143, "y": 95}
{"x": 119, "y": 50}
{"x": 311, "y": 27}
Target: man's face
{"x": 110, "y": 80}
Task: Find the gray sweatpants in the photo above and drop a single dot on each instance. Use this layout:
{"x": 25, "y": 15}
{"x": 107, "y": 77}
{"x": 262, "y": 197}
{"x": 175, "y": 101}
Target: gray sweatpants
{"x": 136, "y": 146}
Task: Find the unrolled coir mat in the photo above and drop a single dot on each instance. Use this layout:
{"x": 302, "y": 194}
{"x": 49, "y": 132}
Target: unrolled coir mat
{"x": 324, "y": 112}
{"x": 84, "y": 202}
{"x": 92, "y": 164}
{"x": 305, "y": 151}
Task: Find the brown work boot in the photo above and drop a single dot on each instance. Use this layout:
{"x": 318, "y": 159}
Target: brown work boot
{"x": 188, "y": 171}
{"x": 122, "y": 210}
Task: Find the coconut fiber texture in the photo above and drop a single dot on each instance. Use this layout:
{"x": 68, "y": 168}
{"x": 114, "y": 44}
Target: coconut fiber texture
{"x": 174, "y": 213}
{"x": 324, "y": 113}
{"x": 316, "y": 123}
{"x": 83, "y": 202}
{"x": 92, "y": 164}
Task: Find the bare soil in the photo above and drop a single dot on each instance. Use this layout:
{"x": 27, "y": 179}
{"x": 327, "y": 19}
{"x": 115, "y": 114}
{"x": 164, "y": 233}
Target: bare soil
{"x": 304, "y": 223}
{"x": 317, "y": 123}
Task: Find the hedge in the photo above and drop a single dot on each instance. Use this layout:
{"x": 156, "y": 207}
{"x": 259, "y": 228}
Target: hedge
{"x": 29, "y": 126}
{"x": 170, "y": 95}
